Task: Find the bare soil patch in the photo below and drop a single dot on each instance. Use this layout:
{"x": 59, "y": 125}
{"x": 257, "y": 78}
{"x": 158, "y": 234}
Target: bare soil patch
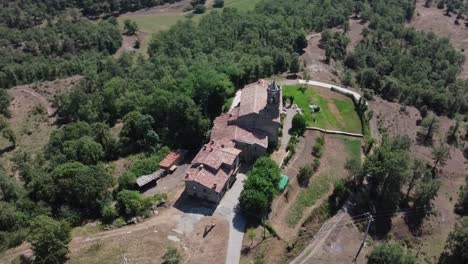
{"x": 314, "y": 61}
{"x": 213, "y": 246}
{"x": 356, "y": 26}
{"x": 32, "y": 115}
{"x": 129, "y": 42}
{"x": 176, "y": 7}
{"x": 433, "y": 20}
{"x": 436, "y": 228}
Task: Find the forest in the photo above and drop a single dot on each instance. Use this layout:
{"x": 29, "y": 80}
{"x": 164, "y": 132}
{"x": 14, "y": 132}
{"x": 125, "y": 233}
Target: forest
{"x": 170, "y": 99}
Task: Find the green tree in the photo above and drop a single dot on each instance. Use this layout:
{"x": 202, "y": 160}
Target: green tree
{"x": 386, "y": 170}
{"x": 390, "y": 253}
{"x": 130, "y": 27}
{"x": 49, "y": 239}
{"x": 130, "y": 203}
{"x": 429, "y": 126}
{"x": 4, "y": 103}
{"x": 455, "y": 248}
{"x": 418, "y": 171}
{"x": 426, "y": 191}
{"x": 299, "y": 124}
{"x": 440, "y": 155}
{"x": 7, "y": 132}
{"x": 461, "y": 207}
{"x": 84, "y": 150}
{"x": 253, "y": 202}
{"x": 137, "y": 133}
{"x": 86, "y": 188}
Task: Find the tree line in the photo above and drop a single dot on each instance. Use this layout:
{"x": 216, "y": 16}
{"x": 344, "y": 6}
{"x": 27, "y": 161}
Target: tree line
{"x": 22, "y": 14}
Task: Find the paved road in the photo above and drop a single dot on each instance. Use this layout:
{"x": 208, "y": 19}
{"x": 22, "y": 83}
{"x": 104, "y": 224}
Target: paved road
{"x": 226, "y": 209}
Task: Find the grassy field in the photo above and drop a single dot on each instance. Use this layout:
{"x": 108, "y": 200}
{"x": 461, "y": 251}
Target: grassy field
{"x": 241, "y": 4}
{"x": 341, "y": 117}
{"x": 152, "y": 23}
{"x": 353, "y": 147}
{"x": 318, "y": 186}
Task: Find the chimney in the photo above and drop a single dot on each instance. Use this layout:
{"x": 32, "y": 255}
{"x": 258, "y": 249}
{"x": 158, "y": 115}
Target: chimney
{"x": 222, "y": 145}
{"x": 204, "y": 147}
{"x": 214, "y": 186}
{"x": 212, "y": 142}
{"x": 200, "y": 167}
{"x": 211, "y": 149}
{"x": 186, "y": 175}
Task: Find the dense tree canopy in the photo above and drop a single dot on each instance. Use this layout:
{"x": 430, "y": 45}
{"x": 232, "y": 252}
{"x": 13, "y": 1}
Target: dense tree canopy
{"x": 49, "y": 239}
{"x": 260, "y": 187}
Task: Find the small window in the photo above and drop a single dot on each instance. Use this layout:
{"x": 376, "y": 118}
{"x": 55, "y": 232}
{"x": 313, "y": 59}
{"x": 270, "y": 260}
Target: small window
{"x": 204, "y": 190}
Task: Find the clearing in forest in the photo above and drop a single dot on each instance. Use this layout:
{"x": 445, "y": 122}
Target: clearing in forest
{"x": 337, "y": 112}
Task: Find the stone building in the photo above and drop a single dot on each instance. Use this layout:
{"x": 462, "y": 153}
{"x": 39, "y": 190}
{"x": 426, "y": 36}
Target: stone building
{"x": 242, "y": 134}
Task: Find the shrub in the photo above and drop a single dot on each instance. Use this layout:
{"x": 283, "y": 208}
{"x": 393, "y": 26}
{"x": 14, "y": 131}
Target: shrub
{"x": 109, "y": 214}
{"x": 130, "y": 203}
{"x": 317, "y": 150}
{"x": 199, "y": 9}
{"x": 304, "y": 175}
{"x": 171, "y": 256}
{"x": 119, "y": 222}
{"x": 218, "y": 4}
{"x": 316, "y": 164}
{"x": 320, "y": 140}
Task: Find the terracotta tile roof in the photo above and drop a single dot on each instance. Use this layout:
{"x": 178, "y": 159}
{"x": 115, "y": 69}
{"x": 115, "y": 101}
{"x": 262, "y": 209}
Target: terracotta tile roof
{"x": 223, "y": 132}
{"x": 207, "y": 178}
{"x": 170, "y": 159}
{"x": 254, "y": 98}
{"x": 214, "y": 156}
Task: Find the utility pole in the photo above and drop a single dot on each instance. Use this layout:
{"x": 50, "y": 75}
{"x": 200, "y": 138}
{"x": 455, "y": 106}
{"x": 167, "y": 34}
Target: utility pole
{"x": 370, "y": 219}
{"x": 125, "y": 259}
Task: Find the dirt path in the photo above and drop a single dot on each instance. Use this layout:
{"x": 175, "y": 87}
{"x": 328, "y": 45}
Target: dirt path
{"x": 41, "y": 98}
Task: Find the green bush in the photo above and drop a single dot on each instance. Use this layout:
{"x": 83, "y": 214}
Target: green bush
{"x": 109, "y": 214}
{"x": 316, "y": 164}
{"x": 317, "y": 151}
{"x": 171, "y": 256}
{"x": 199, "y": 9}
{"x": 131, "y": 203}
{"x": 390, "y": 253}
{"x": 218, "y": 4}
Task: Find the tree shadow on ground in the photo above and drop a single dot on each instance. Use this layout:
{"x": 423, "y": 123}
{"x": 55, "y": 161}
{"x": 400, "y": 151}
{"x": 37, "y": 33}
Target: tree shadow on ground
{"x": 7, "y": 149}
{"x": 414, "y": 219}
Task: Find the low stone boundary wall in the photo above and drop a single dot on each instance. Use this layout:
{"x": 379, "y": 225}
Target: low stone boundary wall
{"x": 335, "y": 132}
{"x": 353, "y": 95}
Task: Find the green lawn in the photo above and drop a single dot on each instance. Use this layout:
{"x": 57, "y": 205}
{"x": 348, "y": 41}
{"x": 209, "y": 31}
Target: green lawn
{"x": 353, "y": 147}
{"x": 343, "y": 118}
